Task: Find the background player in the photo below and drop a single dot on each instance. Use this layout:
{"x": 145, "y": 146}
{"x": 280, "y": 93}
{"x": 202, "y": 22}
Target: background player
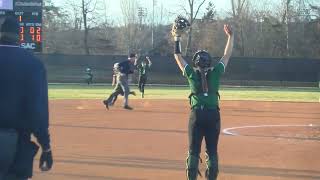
{"x": 124, "y": 69}
{"x": 89, "y": 76}
{"x": 24, "y": 105}
{"x": 204, "y": 119}
{"x": 118, "y": 90}
{"x": 143, "y": 69}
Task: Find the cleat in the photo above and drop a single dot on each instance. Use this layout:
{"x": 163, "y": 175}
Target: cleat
{"x": 142, "y": 95}
{"x": 133, "y": 93}
{"x": 105, "y": 102}
{"x": 128, "y": 107}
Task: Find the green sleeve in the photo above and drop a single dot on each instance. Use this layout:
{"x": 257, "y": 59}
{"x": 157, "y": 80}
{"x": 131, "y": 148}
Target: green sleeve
{"x": 220, "y": 68}
{"x": 188, "y": 71}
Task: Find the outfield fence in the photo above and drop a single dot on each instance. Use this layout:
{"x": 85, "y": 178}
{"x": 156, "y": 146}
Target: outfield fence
{"x": 240, "y": 71}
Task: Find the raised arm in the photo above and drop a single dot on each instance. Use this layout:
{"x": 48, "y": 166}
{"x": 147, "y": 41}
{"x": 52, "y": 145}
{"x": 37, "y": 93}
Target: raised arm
{"x": 177, "y": 52}
{"x": 229, "y": 45}
{"x": 149, "y": 61}
{"x": 135, "y": 62}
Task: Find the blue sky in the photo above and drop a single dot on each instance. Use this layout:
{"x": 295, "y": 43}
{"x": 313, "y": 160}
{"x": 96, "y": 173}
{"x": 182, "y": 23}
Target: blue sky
{"x": 169, "y": 4}
{"x": 169, "y": 7}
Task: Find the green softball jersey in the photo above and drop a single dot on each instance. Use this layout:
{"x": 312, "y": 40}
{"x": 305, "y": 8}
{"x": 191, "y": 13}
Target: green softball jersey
{"x": 197, "y": 99}
{"x": 143, "y": 69}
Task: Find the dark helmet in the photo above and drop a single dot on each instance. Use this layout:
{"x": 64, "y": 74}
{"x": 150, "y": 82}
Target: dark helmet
{"x": 181, "y": 22}
{"x": 202, "y": 59}
{"x": 9, "y": 30}
{"x": 132, "y": 55}
{"x": 10, "y": 25}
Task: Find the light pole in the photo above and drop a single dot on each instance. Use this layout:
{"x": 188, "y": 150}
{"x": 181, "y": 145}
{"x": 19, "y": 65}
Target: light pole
{"x": 287, "y": 27}
{"x": 142, "y": 13}
{"x": 152, "y": 25}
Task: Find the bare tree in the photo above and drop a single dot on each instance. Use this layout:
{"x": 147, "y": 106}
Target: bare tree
{"x": 54, "y": 20}
{"x": 285, "y": 20}
{"x": 75, "y": 11}
{"x": 192, "y": 12}
{"x": 84, "y": 14}
{"x": 261, "y": 31}
{"x": 87, "y": 6}
{"x": 205, "y": 31}
{"x": 238, "y": 12}
{"x": 106, "y": 24}
{"x": 288, "y": 13}
{"x": 129, "y": 12}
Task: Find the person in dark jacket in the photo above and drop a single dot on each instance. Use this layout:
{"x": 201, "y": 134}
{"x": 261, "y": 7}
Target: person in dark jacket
{"x": 24, "y": 104}
{"x": 122, "y": 71}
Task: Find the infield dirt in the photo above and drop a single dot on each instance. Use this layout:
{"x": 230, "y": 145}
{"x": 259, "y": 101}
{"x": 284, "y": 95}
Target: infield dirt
{"x": 150, "y": 142}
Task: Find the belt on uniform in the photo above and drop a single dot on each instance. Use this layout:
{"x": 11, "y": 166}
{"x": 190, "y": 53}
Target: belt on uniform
{"x": 205, "y": 108}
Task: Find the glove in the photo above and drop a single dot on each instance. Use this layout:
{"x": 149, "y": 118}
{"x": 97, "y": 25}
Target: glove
{"x": 46, "y": 161}
{"x": 179, "y": 26}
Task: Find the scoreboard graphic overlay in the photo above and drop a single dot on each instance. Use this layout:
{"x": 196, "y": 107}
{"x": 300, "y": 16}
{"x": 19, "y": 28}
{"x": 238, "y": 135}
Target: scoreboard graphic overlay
{"x": 29, "y": 15}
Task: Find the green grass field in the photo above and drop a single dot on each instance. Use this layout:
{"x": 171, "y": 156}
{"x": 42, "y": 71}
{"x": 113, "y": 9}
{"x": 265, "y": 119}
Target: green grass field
{"x": 227, "y": 93}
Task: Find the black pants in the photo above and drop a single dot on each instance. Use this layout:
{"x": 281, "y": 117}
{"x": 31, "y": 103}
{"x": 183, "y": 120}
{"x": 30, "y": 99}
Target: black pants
{"x": 204, "y": 123}
{"x": 89, "y": 79}
{"x": 11, "y": 177}
{"x": 114, "y": 95}
{"x": 122, "y": 87}
{"x": 142, "y": 82}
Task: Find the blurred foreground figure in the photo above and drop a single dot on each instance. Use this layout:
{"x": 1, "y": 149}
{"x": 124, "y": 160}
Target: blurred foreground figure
{"x": 23, "y": 107}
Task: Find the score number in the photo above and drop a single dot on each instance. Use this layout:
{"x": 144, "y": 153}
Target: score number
{"x": 34, "y": 32}
{"x": 31, "y": 31}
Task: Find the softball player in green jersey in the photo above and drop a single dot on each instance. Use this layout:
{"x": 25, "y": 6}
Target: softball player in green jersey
{"x": 143, "y": 70}
{"x": 89, "y": 76}
{"x": 204, "y": 121}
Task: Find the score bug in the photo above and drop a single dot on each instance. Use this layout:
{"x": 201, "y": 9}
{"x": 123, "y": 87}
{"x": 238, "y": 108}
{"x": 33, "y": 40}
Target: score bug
{"x": 29, "y": 16}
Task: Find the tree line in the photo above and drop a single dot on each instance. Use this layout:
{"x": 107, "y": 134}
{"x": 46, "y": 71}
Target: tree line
{"x": 263, "y": 28}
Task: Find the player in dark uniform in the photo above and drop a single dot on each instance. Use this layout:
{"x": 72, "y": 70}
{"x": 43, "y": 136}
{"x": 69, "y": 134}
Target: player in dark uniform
{"x": 204, "y": 121}
{"x": 89, "y": 76}
{"x": 23, "y": 107}
{"x": 143, "y": 69}
{"x": 118, "y": 90}
{"x": 125, "y": 68}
